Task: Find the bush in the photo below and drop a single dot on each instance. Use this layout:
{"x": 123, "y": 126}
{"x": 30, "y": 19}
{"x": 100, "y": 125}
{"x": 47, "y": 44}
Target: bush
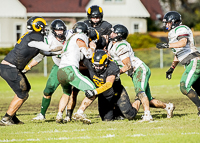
{"x": 5, "y": 51}
{"x": 142, "y": 41}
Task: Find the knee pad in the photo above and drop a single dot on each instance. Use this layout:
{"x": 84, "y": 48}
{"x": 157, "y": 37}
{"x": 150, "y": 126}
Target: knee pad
{"x": 23, "y": 95}
{"x": 183, "y": 88}
{"x": 130, "y": 113}
{"x": 140, "y": 95}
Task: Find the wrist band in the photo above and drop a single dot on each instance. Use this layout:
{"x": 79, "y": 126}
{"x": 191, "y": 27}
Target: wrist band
{"x": 173, "y": 67}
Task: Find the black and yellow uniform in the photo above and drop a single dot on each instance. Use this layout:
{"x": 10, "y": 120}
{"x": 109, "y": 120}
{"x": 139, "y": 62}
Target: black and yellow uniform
{"x": 116, "y": 95}
{"x": 18, "y": 59}
{"x": 103, "y": 27}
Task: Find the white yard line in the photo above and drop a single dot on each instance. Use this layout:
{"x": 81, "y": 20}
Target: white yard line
{"x": 87, "y": 137}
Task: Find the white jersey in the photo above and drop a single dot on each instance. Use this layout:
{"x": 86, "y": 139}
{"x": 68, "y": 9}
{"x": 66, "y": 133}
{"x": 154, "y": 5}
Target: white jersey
{"x": 53, "y": 41}
{"x": 71, "y": 55}
{"x": 120, "y": 51}
{"x": 50, "y": 40}
{"x": 173, "y": 36}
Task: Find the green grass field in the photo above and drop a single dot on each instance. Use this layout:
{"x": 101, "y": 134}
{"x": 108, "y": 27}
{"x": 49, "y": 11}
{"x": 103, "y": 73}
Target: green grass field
{"x": 183, "y": 127}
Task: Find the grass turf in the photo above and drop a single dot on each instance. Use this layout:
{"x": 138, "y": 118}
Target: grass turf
{"x": 183, "y": 127}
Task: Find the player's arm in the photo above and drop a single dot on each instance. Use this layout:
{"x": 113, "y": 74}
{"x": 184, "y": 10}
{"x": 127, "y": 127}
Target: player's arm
{"x": 45, "y": 47}
{"x": 171, "y": 69}
{"x": 181, "y": 43}
{"x": 84, "y": 48}
{"x": 127, "y": 65}
{"x": 109, "y": 82}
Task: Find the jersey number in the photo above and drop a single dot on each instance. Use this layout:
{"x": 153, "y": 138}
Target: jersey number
{"x": 20, "y": 39}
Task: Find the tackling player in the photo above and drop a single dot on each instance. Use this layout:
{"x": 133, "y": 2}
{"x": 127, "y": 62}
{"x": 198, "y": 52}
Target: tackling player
{"x": 181, "y": 42}
{"x": 28, "y": 46}
{"x": 111, "y": 93}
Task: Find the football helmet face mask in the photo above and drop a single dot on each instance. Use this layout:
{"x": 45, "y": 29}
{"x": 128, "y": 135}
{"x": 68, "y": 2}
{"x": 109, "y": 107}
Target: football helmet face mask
{"x": 95, "y": 12}
{"x": 121, "y": 31}
{"x": 93, "y": 35}
{"x": 100, "y": 61}
{"x": 58, "y": 25}
{"x": 173, "y": 17}
{"x": 80, "y": 27}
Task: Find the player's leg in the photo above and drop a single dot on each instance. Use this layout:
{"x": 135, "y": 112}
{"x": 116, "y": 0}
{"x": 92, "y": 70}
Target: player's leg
{"x": 105, "y": 107}
{"x": 189, "y": 77}
{"x": 128, "y": 110}
{"x": 51, "y": 86}
{"x": 159, "y": 104}
{"x": 140, "y": 80}
{"x": 76, "y": 79}
{"x": 71, "y": 105}
{"x": 20, "y": 85}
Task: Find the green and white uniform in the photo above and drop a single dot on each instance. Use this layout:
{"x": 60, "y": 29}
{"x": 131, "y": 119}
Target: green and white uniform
{"x": 188, "y": 56}
{"x": 141, "y": 72}
{"x": 68, "y": 73}
{"x": 52, "y": 82}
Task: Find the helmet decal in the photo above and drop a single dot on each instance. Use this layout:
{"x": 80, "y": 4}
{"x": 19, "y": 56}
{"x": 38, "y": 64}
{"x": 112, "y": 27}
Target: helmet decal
{"x": 34, "y": 24}
{"x": 104, "y": 57}
{"x": 100, "y": 10}
{"x": 89, "y": 10}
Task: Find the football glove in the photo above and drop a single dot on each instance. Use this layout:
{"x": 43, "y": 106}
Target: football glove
{"x": 169, "y": 73}
{"x": 162, "y": 45}
{"x": 26, "y": 69}
{"x": 89, "y": 93}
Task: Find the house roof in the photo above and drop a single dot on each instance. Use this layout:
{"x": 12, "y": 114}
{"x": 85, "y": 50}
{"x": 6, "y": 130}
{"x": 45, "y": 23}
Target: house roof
{"x": 128, "y": 8}
{"x": 55, "y": 6}
{"x": 153, "y": 7}
{"x": 12, "y": 8}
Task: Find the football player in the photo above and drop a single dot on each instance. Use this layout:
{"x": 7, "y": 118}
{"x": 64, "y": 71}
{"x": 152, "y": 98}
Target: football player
{"x": 182, "y": 44}
{"x": 57, "y": 37}
{"x": 95, "y": 20}
{"x": 28, "y": 46}
{"x": 121, "y": 52}
{"x": 68, "y": 74}
{"x": 110, "y": 91}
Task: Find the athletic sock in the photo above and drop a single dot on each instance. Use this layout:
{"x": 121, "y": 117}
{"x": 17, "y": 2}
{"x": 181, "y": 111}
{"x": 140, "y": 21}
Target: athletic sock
{"x": 45, "y": 105}
{"x": 69, "y": 113}
{"x": 192, "y": 95}
{"x": 80, "y": 111}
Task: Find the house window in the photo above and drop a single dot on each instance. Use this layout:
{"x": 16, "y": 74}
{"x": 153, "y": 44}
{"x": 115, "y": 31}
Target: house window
{"x": 18, "y": 31}
{"x": 135, "y": 27}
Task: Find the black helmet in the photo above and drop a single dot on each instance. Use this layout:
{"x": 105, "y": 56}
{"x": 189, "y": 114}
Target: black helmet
{"x": 93, "y": 35}
{"x": 80, "y": 27}
{"x": 37, "y": 24}
{"x": 173, "y": 17}
{"x": 94, "y": 12}
{"x": 121, "y": 31}
{"x": 58, "y": 25}
{"x": 30, "y": 22}
{"x": 100, "y": 61}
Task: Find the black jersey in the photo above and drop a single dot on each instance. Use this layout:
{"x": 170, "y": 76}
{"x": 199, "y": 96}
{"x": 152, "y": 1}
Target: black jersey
{"x": 100, "y": 79}
{"x": 104, "y": 28}
{"x": 22, "y": 53}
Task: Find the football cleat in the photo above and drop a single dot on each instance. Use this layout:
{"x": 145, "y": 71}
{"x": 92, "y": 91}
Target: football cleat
{"x": 146, "y": 118}
{"x": 59, "y": 118}
{"x": 6, "y": 121}
{"x": 66, "y": 119}
{"x": 81, "y": 117}
{"x": 170, "y": 108}
{"x": 39, "y": 117}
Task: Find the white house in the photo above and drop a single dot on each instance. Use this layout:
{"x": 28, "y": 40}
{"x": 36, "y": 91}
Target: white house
{"x": 15, "y": 13}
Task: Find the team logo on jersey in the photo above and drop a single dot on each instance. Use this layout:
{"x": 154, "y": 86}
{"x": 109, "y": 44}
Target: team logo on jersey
{"x": 98, "y": 81}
